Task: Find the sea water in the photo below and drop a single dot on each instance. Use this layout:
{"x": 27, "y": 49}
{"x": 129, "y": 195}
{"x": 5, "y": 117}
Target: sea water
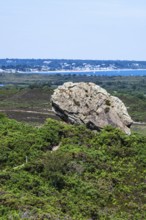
{"x": 123, "y": 72}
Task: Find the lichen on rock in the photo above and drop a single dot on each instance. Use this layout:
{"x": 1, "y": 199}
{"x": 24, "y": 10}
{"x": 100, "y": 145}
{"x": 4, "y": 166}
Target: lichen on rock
{"x": 89, "y": 104}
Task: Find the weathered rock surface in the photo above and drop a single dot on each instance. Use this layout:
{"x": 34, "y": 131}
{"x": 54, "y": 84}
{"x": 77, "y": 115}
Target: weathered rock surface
{"x": 89, "y": 104}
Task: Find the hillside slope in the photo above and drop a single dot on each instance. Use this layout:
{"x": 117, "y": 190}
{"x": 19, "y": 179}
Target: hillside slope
{"x": 91, "y": 175}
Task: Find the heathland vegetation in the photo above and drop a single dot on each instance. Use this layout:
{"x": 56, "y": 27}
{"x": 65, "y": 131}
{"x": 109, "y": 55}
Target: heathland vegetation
{"x": 33, "y": 92}
{"x": 52, "y": 170}
{"x": 91, "y": 175}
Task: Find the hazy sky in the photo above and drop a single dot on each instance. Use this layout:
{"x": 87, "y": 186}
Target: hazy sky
{"x": 78, "y": 29}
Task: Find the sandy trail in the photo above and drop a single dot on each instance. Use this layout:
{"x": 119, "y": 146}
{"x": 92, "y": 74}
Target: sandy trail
{"x": 50, "y": 112}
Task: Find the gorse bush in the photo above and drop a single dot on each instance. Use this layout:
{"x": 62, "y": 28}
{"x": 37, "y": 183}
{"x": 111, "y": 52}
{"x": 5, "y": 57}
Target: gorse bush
{"x": 92, "y": 175}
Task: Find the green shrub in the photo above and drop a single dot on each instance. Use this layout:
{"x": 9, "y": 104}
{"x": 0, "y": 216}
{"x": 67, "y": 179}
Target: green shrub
{"x": 92, "y": 175}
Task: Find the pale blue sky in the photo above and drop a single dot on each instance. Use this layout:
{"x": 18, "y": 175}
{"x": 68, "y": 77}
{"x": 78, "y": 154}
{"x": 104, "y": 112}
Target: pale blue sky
{"x": 78, "y": 29}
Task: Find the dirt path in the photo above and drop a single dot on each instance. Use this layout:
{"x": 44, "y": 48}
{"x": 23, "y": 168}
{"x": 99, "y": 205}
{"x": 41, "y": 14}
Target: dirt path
{"x": 139, "y": 123}
{"x": 50, "y": 112}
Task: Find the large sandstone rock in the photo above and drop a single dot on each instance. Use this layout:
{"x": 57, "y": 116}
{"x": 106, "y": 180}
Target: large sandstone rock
{"x": 89, "y": 104}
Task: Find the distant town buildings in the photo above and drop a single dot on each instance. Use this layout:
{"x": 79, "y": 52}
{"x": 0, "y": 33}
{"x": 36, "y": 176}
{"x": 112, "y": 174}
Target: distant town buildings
{"x": 46, "y": 65}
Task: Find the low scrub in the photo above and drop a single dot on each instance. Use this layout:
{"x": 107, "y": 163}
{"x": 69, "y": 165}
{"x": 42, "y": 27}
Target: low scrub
{"x": 90, "y": 176}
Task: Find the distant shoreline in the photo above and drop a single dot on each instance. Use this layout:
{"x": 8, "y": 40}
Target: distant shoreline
{"x": 82, "y": 71}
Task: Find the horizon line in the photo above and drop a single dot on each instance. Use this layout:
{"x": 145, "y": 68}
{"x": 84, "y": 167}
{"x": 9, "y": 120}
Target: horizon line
{"x": 14, "y": 58}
